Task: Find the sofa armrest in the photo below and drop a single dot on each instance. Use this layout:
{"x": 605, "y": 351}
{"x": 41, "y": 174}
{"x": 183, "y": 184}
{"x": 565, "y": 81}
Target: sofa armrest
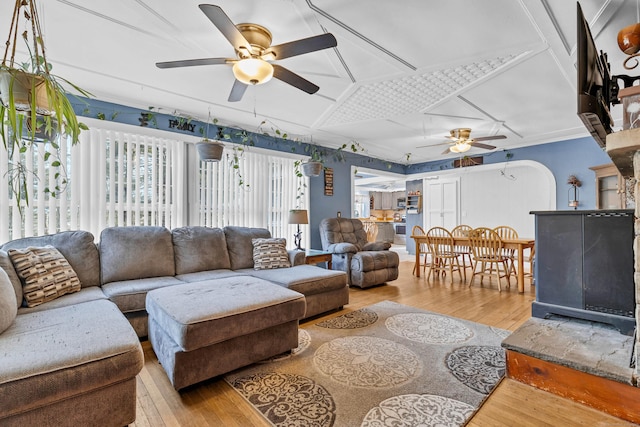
{"x": 342, "y": 248}
{"x": 376, "y": 246}
{"x": 296, "y": 257}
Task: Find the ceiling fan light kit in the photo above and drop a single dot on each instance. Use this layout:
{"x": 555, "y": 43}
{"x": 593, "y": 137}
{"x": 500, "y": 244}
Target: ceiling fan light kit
{"x": 460, "y": 147}
{"x": 253, "y": 71}
{"x": 252, "y": 44}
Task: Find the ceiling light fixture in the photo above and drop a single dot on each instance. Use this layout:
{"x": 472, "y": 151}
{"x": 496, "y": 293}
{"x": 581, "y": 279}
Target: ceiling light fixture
{"x": 460, "y": 147}
{"x": 253, "y": 71}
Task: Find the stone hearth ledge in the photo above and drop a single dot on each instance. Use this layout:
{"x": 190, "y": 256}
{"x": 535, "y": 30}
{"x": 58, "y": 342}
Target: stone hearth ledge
{"x": 582, "y": 345}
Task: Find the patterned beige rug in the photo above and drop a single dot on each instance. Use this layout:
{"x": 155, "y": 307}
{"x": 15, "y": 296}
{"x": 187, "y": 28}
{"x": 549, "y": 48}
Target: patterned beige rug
{"x": 384, "y": 365}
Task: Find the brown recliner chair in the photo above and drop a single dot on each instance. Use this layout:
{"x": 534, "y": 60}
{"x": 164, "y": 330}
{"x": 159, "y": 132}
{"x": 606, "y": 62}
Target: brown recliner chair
{"x": 366, "y": 263}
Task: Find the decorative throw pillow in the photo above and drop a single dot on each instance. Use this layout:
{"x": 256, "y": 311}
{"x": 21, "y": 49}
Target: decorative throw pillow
{"x": 8, "y": 305}
{"x": 45, "y": 274}
{"x": 270, "y": 253}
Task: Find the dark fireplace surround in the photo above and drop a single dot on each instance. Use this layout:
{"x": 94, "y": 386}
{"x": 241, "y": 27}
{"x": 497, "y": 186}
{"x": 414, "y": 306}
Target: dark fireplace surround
{"x": 585, "y": 266}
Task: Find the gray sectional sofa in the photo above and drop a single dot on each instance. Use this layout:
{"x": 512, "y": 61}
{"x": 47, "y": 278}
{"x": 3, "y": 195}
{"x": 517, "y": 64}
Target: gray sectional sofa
{"x": 73, "y": 360}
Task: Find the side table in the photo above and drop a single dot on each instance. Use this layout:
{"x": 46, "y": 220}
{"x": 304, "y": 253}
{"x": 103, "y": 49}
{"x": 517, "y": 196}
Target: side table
{"x": 314, "y": 256}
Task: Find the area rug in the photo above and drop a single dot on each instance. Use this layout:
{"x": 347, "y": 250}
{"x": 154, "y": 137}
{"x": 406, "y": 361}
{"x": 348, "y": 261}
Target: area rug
{"x": 384, "y": 365}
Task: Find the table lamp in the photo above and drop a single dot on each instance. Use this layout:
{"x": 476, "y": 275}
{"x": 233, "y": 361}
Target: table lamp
{"x": 298, "y": 216}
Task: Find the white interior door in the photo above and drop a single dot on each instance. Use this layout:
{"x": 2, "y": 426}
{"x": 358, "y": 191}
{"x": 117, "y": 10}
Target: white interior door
{"x": 441, "y": 203}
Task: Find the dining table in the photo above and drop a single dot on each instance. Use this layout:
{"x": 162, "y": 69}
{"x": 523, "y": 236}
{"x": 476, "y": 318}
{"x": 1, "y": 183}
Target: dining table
{"x": 519, "y": 244}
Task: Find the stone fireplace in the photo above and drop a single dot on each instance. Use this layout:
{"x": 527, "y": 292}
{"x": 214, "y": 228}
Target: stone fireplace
{"x": 578, "y": 354}
{"x": 624, "y": 149}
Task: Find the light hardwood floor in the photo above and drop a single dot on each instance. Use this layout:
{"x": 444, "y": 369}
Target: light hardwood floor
{"x": 214, "y": 403}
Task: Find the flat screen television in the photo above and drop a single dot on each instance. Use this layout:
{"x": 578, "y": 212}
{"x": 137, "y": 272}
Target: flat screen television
{"x": 595, "y": 85}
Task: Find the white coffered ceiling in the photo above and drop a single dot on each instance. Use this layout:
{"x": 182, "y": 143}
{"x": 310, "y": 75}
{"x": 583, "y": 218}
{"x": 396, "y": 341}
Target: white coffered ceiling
{"x": 402, "y": 75}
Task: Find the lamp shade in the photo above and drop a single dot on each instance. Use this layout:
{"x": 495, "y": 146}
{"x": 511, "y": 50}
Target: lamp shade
{"x": 298, "y": 216}
{"x": 253, "y": 71}
{"x": 460, "y": 147}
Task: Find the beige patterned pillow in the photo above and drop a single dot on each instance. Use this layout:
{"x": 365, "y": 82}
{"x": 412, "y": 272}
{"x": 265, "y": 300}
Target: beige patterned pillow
{"x": 45, "y": 274}
{"x": 270, "y": 253}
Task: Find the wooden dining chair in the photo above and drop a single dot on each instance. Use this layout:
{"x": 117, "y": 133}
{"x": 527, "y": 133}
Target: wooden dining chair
{"x": 506, "y": 232}
{"x": 487, "y": 250}
{"x": 443, "y": 255}
{"x": 424, "y": 249}
{"x": 463, "y": 251}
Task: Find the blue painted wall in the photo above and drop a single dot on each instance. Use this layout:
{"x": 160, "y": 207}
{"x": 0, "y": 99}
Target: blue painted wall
{"x": 563, "y": 158}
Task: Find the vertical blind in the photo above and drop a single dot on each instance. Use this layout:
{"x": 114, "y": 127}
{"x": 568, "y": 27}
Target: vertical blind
{"x": 120, "y": 176}
{"x": 270, "y": 191}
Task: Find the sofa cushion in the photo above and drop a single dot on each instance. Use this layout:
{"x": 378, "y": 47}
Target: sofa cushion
{"x": 92, "y": 293}
{"x": 70, "y": 353}
{"x": 342, "y": 230}
{"x": 239, "y": 244}
{"x": 130, "y": 295}
{"x": 207, "y": 275}
{"x": 376, "y": 246}
{"x": 45, "y": 273}
{"x": 200, "y": 314}
{"x": 306, "y": 279}
{"x": 135, "y": 252}
{"x": 8, "y": 306}
{"x": 78, "y": 248}
{"x": 7, "y": 266}
{"x": 270, "y": 253}
{"x": 199, "y": 249}
{"x": 374, "y": 260}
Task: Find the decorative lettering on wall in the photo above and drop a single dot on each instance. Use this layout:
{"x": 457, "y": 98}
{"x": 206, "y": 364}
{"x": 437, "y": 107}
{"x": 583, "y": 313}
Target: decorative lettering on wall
{"x": 328, "y": 181}
{"x": 182, "y": 125}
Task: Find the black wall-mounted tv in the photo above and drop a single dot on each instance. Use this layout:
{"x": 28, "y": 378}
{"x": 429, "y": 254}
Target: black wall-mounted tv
{"x": 596, "y": 89}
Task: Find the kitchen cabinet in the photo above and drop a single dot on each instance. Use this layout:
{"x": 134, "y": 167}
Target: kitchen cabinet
{"x": 376, "y": 200}
{"x": 387, "y": 200}
{"x": 396, "y": 196}
{"x": 386, "y": 232}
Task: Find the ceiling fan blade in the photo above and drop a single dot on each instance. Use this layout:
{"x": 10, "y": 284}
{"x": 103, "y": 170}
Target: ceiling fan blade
{"x": 433, "y": 145}
{"x": 226, "y": 26}
{"x": 447, "y": 151}
{"x": 299, "y": 47}
{"x": 237, "y": 91}
{"x": 489, "y": 138}
{"x": 485, "y": 146}
{"x": 281, "y": 73}
{"x": 193, "y": 62}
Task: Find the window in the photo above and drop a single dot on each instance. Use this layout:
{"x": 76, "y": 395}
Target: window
{"x": 121, "y": 175}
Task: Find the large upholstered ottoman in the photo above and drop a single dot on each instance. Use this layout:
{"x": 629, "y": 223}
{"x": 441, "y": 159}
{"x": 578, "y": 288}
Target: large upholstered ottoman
{"x": 204, "y": 329}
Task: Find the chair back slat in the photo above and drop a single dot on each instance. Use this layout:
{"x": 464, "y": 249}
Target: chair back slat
{"x": 506, "y": 232}
{"x": 440, "y": 242}
{"x": 486, "y": 244}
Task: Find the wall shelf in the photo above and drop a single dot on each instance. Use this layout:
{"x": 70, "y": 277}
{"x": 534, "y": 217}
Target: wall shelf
{"x": 414, "y": 204}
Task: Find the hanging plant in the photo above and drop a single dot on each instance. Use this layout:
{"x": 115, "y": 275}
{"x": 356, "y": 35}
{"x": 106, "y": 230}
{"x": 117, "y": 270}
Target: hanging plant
{"x": 30, "y": 94}
{"x": 209, "y": 150}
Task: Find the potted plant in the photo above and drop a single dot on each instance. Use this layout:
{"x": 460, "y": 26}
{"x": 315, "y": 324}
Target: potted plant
{"x": 30, "y": 94}
{"x": 210, "y": 151}
{"x": 313, "y": 166}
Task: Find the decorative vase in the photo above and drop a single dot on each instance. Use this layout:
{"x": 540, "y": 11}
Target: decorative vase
{"x": 629, "y": 39}
{"x": 24, "y": 84}
{"x": 311, "y": 168}
{"x": 210, "y": 151}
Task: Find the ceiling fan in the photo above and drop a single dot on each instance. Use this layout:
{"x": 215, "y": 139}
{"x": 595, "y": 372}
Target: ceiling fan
{"x": 461, "y": 141}
{"x": 254, "y": 53}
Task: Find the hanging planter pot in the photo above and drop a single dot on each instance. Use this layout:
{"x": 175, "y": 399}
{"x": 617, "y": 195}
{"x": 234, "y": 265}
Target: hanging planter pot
{"x": 27, "y": 89}
{"x": 311, "y": 168}
{"x": 210, "y": 151}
